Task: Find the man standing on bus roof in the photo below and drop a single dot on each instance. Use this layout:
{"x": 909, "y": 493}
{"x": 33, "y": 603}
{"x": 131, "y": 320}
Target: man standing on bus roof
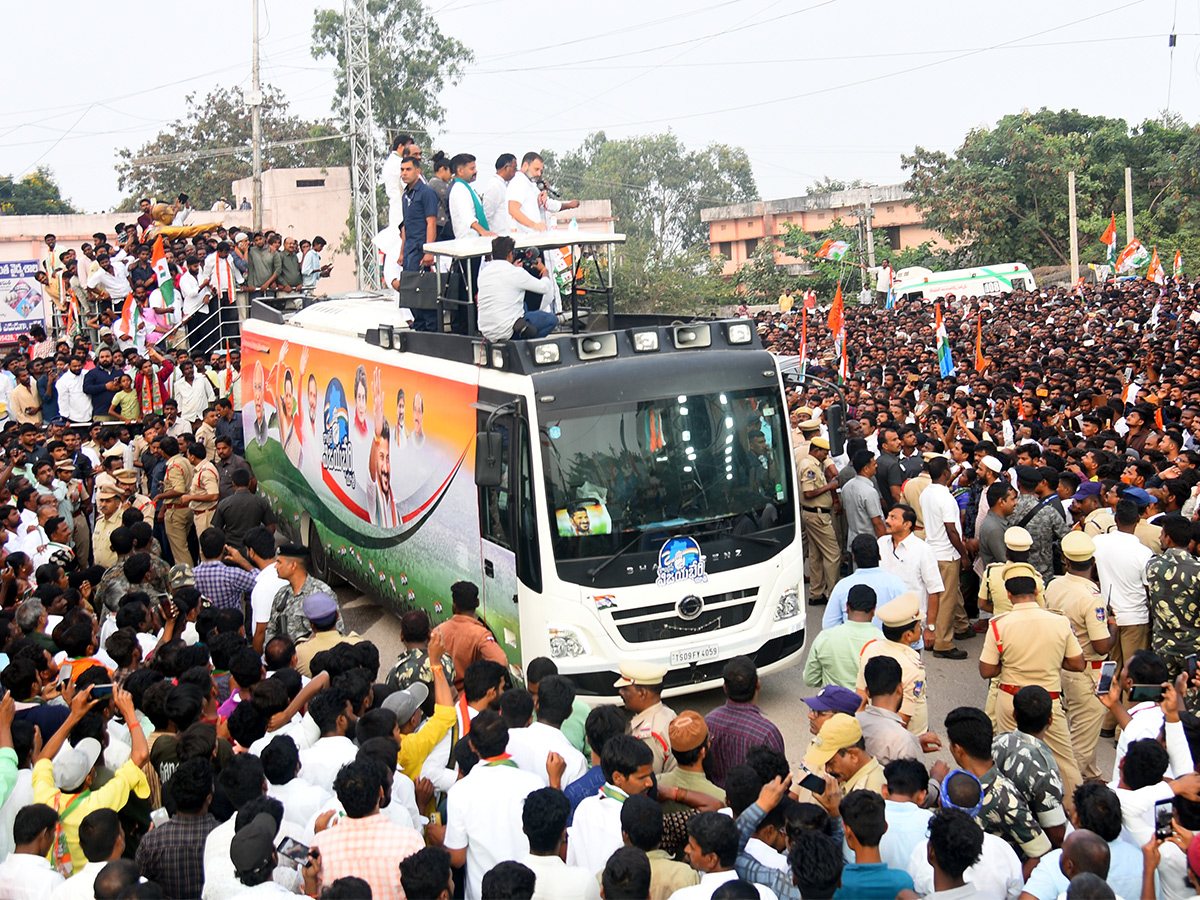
{"x": 816, "y": 517}
{"x": 640, "y": 687}
{"x": 466, "y": 637}
{"x": 419, "y": 227}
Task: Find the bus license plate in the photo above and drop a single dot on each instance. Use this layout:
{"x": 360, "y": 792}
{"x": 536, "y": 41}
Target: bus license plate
{"x": 694, "y": 654}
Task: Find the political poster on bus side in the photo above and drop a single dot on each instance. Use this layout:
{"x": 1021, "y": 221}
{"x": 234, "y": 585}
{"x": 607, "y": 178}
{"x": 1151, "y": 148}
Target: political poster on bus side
{"x": 22, "y": 303}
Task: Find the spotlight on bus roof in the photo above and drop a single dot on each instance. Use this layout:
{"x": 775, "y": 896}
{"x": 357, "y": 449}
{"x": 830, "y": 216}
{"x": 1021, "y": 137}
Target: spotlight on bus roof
{"x": 545, "y": 354}
{"x": 739, "y": 333}
{"x": 645, "y": 341}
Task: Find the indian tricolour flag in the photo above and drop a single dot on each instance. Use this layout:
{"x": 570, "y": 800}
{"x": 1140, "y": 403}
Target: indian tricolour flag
{"x": 832, "y": 249}
{"x": 162, "y": 270}
{"x": 1177, "y": 267}
{"x": 945, "y": 362}
{"x": 1109, "y": 240}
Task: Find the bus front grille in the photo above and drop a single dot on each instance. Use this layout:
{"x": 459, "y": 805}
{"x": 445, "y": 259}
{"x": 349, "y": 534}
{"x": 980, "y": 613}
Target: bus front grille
{"x": 720, "y": 611}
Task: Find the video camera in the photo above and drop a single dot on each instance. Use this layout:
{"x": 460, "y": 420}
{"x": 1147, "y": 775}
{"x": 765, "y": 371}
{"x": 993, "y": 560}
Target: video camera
{"x": 528, "y": 257}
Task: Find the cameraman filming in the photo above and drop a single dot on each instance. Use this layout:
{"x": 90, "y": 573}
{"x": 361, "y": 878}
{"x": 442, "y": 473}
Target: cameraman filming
{"x": 502, "y": 313}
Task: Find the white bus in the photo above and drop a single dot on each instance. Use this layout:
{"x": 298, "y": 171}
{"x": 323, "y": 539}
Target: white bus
{"x": 919, "y": 282}
{"x": 618, "y": 494}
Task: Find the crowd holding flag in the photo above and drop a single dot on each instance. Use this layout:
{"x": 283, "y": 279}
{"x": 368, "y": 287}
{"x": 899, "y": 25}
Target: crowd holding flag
{"x": 837, "y": 327}
{"x": 1155, "y": 273}
{"x": 1132, "y": 257}
{"x": 1177, "y": 266}
{"x": 945, "y": 361}
{"x": 1109, "y": 240}
{"x": 981, "y": 362}
{"x": 804, "y": 339}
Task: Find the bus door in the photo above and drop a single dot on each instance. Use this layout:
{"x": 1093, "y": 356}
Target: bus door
{"x": 507, "y": 531}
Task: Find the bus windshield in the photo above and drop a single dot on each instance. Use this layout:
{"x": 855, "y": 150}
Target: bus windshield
{"x": 688, "y": 464}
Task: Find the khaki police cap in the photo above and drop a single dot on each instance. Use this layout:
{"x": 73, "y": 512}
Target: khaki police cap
{"x": 64, "y": 465}
{"x": 805, "y": 410}
{"x": 108, "y": 493}
{"x": 113, "y": 453}
{"x": 819, "y": 443}
{"x": 810, "y": 425}
{"x": 645, "y": 673}
{"x": 128, "y": 475}
{"x": 1078, "y": 546}
{"x": 1017, "y": 538}
{"x": 904, "y": 610}
{"x": 1019, "y": 570}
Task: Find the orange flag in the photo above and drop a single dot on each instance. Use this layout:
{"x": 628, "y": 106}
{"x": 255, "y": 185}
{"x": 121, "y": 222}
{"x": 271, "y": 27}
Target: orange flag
{"x": 837, "y": 317}
{"x": 980, "y": 360}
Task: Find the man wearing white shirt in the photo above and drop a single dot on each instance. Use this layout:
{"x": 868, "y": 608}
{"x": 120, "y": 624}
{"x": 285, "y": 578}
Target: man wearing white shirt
{"x": 907, "y": 819}
{"x": 943, "y": 534}
{"x": 27, "y": 874}
{"x": 109, "y": 282}
{"x": 73, "y": 402}
{"x": 301, "y": 800}
{"x": 530, "y": 746}
{"x": 260, "y": 550}
{"x": 994, "y": 875}
{"x": 494, "y": 194}
{"x": 1146, "y": 719}
{"x": 502, "y": 289}
{"x": 595, "y": 832}
{"x": 466, "y": 209}
{"x": 483, "y": 810}
{"x": 195, "y": 293}
{"x": 906, "y": 556}
{"x": 482, "y": 686}
{"x": 544, "y": 821}
{"x": 390, "y": 176}
{"x": 319, "y": 764}
{"x": 1121, "y": 560}
{"x": 712, "y": 850}
{"x": 528, "y": 204}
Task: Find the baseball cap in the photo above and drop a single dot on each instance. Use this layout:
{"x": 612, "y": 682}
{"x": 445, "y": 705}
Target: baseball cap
{"x": 73, "y": 764}
{"x": 1138, "y": 496}
{"x": 254, "y": 845}
{"x": 835, "y": 698}
{"x": 1087, "y": 489}
{"x": 320, "y": 606}
{"x": 406, "y": 702}
{"x": 687, "y": 731}
{"x": 836, "y": 734}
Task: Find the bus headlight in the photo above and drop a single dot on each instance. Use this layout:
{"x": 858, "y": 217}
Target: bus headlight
{"x": 545, "y": 354}
{"x": 566, "y": 642}
{"x": 788, "y": 605}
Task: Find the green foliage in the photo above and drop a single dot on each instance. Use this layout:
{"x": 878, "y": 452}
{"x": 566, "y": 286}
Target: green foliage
{"x": 37, "y": 194}
{"x": 1003, "y": 194}
{"x": 411, "y": 62}
{"x": 657, "y": 188}
{"x": 222, "y": 120}
{"x": 827, "y": 185}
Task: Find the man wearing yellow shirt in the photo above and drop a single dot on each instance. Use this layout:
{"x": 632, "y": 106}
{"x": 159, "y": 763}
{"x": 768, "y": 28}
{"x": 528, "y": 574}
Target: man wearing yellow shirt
{"x": 63, "y": 781}
{"x": 417, "y": 743}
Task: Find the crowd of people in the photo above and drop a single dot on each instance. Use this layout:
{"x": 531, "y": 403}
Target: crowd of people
{"x": 232, "y": 739}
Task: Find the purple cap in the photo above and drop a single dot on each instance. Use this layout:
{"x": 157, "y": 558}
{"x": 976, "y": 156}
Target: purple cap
{"x": 835, "y": 698}
{"x": 1087, "y": 489}
{"x": 320, "y": 606}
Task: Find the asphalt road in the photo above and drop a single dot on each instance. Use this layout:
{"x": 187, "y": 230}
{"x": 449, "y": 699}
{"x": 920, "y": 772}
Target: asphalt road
{"x": 950, "y": 683}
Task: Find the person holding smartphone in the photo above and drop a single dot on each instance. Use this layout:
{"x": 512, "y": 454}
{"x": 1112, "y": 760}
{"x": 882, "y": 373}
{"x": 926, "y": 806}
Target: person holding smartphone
{"x": 1077, "y": 597}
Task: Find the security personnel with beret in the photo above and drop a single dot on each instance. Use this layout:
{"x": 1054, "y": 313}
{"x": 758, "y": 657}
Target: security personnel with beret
{"x": 901, "y": 620}
{"x": 640, "y": 687}
{"x": 1030, "y": 645}
{"x": 1076, "y": 596}
{"x": 1017, "y": 542}
{"x": 816, "y": 519}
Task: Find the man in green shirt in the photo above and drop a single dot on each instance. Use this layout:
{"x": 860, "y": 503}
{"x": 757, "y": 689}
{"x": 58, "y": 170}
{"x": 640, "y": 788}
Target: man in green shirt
{"x": 289, "y": 266}
{"x": 263, "y": 266}
{"x": 833, "y": 658}
{"x": 688, "y": 735}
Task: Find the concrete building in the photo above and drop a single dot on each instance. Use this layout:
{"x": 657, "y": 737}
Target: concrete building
{"x": 735, "y": 232}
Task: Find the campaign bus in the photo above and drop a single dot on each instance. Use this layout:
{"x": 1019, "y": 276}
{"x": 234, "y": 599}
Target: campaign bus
{"x": 624, "y": 493}
{"x": 918, "y": 282}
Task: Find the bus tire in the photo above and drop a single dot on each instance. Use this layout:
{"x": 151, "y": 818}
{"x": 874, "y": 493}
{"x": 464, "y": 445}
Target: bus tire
{"x": 319, "y": 557}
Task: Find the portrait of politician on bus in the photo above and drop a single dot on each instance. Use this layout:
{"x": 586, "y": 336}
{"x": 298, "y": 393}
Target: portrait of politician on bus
{"x": 583, "y": 518}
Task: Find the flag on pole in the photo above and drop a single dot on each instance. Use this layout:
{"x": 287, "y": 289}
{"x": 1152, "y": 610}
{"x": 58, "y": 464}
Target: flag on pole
{"x": 810, "y": 299}
{"x": 1155, "y": 272}
{"x": 837, "y": 325}
{"x": 945, "y": 362}
{"x": 803, "y": 340}
{"x": 228, "y": 371}
{"x": 1177, "y": 267}
{"x": 980, "y": 360}
{"x": 1133, "y": 256}
{"x": 832, "y": 249}
{"x": 891, "y": 297}
{"x": 162, "y": 271}
{"x": 1109, "y": 240}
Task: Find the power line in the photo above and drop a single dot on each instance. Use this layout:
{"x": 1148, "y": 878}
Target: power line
{"x": 216, "y": 152}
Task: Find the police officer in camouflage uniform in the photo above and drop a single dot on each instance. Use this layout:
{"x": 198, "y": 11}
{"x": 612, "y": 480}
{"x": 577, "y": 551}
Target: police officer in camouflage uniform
{"x": 1077, "y": 597}
{"x": 1037, "y": 515}
{"x": 413, "y": 664}
{"x": 1025, "y": 760}
{"x": 1173, "y": 591}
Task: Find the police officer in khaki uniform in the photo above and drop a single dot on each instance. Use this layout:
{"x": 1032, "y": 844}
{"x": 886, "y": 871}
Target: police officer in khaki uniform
{"x": 1030, "y": 645}
{"x": 816, "y": 517}
{"x": 1076, "y": 596}
{"x": 640, "y": 687}
{"x": 127, "y": 483}
{"x": 901, "y": 620}
{"x": 994, "y": 595}
{"x": 809, "y": 429}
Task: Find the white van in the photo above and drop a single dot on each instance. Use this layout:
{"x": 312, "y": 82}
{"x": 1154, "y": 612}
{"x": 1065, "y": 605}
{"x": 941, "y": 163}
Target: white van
{"x": 917, "y": 281}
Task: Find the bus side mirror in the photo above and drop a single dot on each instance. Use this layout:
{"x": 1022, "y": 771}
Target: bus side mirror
{"x": 835, "y": 418}
{"x": 489, "y": 450}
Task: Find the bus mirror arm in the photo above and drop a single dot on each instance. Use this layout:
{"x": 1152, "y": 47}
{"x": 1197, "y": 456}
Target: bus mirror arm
{"x": 835, "y": 416}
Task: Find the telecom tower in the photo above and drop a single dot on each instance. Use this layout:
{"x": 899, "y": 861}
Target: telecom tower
{"x": 362, "y": 143}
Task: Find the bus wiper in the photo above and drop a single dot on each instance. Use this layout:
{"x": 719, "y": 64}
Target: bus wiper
{"x": 753, "y": 538}
{"x": 604, "y": 565}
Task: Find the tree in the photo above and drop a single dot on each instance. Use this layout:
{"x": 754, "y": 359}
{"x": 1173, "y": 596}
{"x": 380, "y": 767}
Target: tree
{"x": 411, "y": 62}
{"x": 37, "y": 194}
{"x": 1003, "y": 194}
{"x": 657, "y": 188}
{"x": 827, "y": 185}
{"x": 183, "y": 157}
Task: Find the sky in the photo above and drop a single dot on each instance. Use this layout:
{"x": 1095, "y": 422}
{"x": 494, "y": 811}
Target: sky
{"x": 809, "y": 88}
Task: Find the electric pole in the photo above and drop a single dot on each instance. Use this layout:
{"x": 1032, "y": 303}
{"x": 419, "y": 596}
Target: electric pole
{"x": 361, "y": 125}
{"x": 1074, "y": 225}
{"x": 1128, "y": 205}
{"x": 255, "y": 100}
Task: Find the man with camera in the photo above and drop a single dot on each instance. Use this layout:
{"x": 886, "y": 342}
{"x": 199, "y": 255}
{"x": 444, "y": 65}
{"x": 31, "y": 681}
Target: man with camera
{"x": 502, "y": 313}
